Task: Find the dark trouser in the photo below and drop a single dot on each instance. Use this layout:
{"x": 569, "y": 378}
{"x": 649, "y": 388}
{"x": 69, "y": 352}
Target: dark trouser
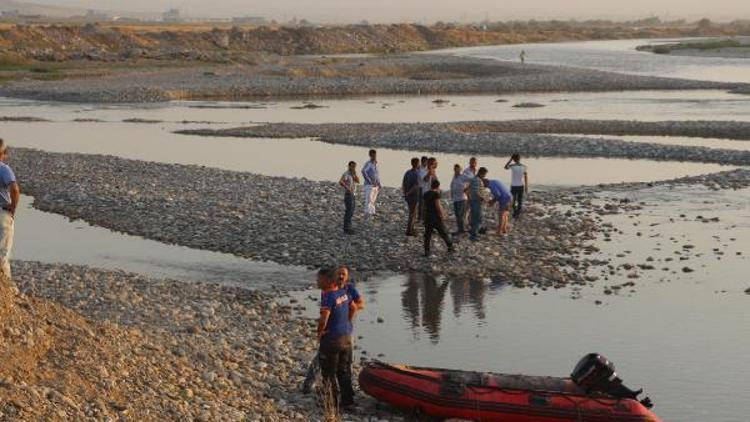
{"x": 348, "y": 211}
{"x": 438, "y": 226}
{"x": 459, "y": 208}
{"x": 476, "y": 217}
{"x": 336, "y": 369}
{"x": 517, "y": 192}
{"x": 412, "y": 205}
{"x": 420, "y": 209}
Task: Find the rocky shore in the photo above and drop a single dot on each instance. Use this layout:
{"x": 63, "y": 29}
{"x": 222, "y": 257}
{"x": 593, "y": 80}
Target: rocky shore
{"x": 490, "y": 138}
{"x": 314, "y": 76}
{"x": 289, "y": 221}
{"x": 87, "y": 344}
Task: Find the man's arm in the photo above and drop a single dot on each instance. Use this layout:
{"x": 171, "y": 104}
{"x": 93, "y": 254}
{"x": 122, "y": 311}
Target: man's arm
{"x": 439, "y": 208}
{"x": 526, "y": 181}
{"x": 15, "y": 197}
{"x": 507, "y": 165}
{"x": 342, "y": 183}
{"x": 355, "y": 177}
{"x": 325, "y": 313}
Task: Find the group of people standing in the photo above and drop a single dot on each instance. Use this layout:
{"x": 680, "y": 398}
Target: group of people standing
{"x": 470, "y": 192}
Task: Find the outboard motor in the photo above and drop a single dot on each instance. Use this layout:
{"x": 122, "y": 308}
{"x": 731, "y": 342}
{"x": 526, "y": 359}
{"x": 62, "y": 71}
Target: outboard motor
{"x": 595, "y": 374}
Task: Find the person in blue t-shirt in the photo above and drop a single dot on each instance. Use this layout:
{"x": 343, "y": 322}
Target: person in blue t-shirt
{"x": 502, "y": 196}
{"x": 410, "y": 188}
{"x": 335, "y": 336}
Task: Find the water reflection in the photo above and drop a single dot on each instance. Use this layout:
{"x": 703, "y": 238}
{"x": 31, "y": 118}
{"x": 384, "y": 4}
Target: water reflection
{"x": 423, "y": 297}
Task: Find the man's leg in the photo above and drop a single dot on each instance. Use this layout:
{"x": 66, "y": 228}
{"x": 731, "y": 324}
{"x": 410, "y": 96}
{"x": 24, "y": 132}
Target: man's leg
{"x": 420, "y": 205}
{"x": 348, "y": 211}
{"x": 519, "y": 203}
{"x": 344, "y": 374}
{"x": 440, "y": 227}
{"x": 6, "y": 242}
{"x": 329, "y": 361}
{"x": 374, "y": 193}
{"x": 473, "y": 205}
{"x": 458, "y": 210}
{"x": 412, "y": 217}
{"x": 427, "y": 238}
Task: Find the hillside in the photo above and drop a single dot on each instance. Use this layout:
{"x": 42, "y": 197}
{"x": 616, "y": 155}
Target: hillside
{"x": 103, "y": 43}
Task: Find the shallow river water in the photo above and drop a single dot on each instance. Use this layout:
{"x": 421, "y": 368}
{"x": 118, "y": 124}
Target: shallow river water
{"x": 680, "y": 336}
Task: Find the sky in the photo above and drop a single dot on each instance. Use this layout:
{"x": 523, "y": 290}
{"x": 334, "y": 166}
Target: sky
{"x": 340, "y": 11}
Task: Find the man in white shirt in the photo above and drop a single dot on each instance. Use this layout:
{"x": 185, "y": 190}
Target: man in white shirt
{"x": 471, "y": 171}
{"x": 519, "y": 184}
{"x": 372, "y": 183}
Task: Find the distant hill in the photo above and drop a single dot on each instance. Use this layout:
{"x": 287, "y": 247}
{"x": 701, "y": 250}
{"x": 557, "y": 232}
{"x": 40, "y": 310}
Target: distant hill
{"x": 39, "y": 9}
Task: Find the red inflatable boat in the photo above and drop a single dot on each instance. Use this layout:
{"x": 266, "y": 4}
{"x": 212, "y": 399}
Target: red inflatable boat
{"x": 592, "y": 394}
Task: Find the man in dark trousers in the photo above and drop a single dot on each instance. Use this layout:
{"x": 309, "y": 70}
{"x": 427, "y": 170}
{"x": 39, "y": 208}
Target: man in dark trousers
{"x": 410, "y": 187}
{"x": 335, "y": 336}
{"x": 434, "y": 218}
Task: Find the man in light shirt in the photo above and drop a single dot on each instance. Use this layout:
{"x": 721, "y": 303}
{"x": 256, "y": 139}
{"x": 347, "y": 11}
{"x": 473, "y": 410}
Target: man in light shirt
{"x": 372, "y": 183}
{"x": 519, "y": 184}
{"x": 349, "y": 181}
{"x": 10, "y": 194}
{"x": 471, "y": 171}
{"x": 422, "y": 190}
{"x": 459, "y": 186}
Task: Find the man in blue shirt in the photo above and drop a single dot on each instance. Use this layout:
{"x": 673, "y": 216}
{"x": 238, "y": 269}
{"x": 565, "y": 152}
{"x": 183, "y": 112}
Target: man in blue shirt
{"x": 410, "y": 187}
{"x": 10, "y": 194}
{"x": 501, "y": 195}
{"x": 335, "y": 336}
{"x": 372, "y": 183}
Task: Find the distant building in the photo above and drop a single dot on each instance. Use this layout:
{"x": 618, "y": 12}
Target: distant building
{"x": 171, "y": 16}
{"x": 249, "y": 20}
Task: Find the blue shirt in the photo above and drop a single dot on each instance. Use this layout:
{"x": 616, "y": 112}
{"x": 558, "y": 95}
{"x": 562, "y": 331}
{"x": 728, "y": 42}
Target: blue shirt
{"x": 352, "y": 291}
{"x": 500, "y": 192}
{"x": 337, "y": 302}
{"x": 475, "y": 188}
{"x": 411, "y": 180}
{"x": 370, "y": 174}
{"x": 7, "y": 177}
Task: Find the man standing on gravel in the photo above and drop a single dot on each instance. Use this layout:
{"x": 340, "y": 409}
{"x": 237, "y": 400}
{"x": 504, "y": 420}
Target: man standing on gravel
{"x": 458, "y": 195}
{"x": 422, "y": 188}
{"x": 434, "y": 218}
{"x": 519, "y": 182}
{"x": 471, "y": 171}
{"x": 501, "y": 195}
{"x": 477, "y": 197}
{"x": 410, "y": 187}
{"x": 335, "y": 335}
{"x": 349, "y": 181}
{"x": 10, "y": 194}
{"x": 372, "y": 183}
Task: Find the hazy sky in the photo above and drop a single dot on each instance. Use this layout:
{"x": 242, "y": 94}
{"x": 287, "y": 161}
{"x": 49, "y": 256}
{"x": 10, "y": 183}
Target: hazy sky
{"x": 432, "y": 10}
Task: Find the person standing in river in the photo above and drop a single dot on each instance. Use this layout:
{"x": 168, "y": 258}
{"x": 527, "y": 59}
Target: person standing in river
{"x": 411, "y": 189}
{"x": 372, "y": 183}
{"x": 477, "y": 198}
{"x": 349, "y": 181}
{"x": 10, "y": 195}
{"x": 459, "y": 186}
{"x": 335, "y": 332}
{"x": 519, "y": 183}
{"x": 434, "y": 218}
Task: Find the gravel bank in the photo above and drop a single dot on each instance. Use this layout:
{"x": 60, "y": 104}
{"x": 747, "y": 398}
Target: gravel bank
{"x": 289, "y": 221}
{"x": 145, "y": 349}
{"x": 482, "y": 138}
{"x": 304, "y": 77}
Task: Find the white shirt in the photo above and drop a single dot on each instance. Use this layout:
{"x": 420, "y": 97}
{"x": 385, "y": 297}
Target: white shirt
{"x": 517, "y": 172}
{"x": 426, "y": 186}
{"x": 469, "y": 173}
{"x": 349, "y": 184}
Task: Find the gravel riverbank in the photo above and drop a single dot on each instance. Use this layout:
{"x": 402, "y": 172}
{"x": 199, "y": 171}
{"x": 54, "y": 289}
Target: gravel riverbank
{"x": 308, "y": 76}
{"x": 289, "y": 221}
{"x": 490, "y": 138}
{"x": 135, "y": 348}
